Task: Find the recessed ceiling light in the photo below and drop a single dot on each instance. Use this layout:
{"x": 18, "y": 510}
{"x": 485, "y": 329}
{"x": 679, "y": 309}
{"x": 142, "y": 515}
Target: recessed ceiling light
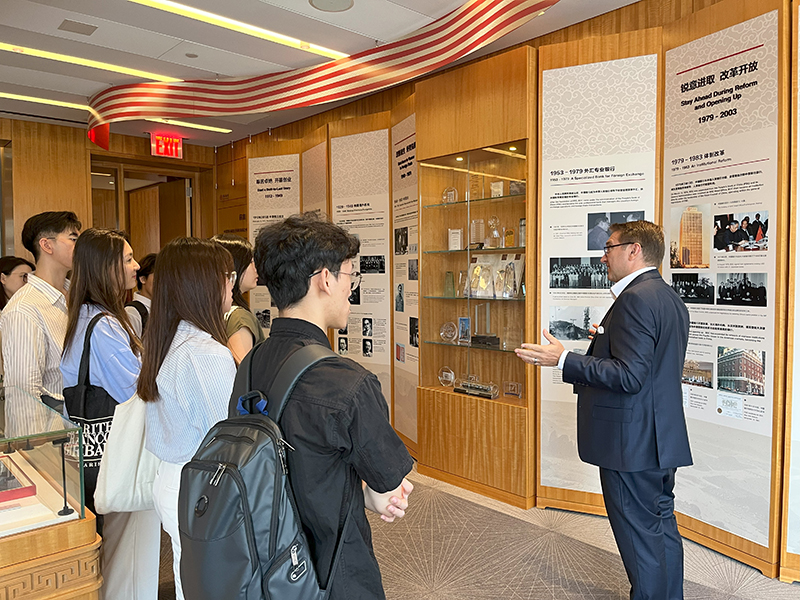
{"x": 191, "y": 55}
{"x": 43, "y": 101}
{"x": 331, "y": 5}
{"x": 512, "y": 148}
{"x": 190, "y": 125}
{"x": 102, "y": 174}
{"x": 459, "y": 159}
{"x": 220, "y": 21}
{"x": 85, "y": 62}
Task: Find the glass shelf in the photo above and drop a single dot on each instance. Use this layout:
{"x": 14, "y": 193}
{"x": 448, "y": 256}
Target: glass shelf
{"x": 511, "y": 250}
{"x": 474, "y": 298}
{"x": 490, "y": 199}
{"x": 470, "y": 347}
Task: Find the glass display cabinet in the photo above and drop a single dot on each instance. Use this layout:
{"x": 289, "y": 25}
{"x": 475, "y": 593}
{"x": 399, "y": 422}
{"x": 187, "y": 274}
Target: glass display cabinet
{"x": 40, "y": 466}
{"x": 473, "y": 227}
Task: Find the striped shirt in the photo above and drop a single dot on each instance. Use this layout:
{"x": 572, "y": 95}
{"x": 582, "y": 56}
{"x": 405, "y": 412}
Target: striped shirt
{"x": 33, "y": 324}
{"x": 194, "y": 387}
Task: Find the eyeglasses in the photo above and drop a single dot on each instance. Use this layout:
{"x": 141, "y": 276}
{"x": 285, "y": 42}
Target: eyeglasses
{"x": 72, "y": 237}
{"x": 607, "y": 248}
{"x": 231, "y": 277}
{"x": 355, "y": 277}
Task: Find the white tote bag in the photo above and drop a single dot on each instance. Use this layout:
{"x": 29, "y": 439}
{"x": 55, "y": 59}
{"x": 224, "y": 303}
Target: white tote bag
{"x": 127, "y": 469}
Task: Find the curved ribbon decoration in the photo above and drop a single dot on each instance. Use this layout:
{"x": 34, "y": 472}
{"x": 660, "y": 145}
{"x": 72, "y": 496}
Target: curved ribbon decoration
{"x": 449, "y": 38}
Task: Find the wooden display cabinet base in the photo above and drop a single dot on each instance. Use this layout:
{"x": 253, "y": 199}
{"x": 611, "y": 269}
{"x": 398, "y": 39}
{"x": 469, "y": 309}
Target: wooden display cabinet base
{"x": 478, "y": 488}
{"x": 59, "y": 562}
{"x": 790, "y": 573}
{"x": 769, "y": 569}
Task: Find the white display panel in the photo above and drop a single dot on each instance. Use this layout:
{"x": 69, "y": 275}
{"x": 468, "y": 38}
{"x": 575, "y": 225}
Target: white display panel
{"x": 598, "y": 167}
{"x": 315, "y": 179}
{"x": 721, "y": 167}
{"x": 360, "y": 198}
{"x": 274, "y": 194}
{"x": 405, "y": 280}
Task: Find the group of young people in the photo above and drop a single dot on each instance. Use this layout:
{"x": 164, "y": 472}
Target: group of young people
{"x": 177, "y": 346}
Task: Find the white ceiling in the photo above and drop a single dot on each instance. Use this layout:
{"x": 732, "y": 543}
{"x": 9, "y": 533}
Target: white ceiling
{"x": 139, "y": 37}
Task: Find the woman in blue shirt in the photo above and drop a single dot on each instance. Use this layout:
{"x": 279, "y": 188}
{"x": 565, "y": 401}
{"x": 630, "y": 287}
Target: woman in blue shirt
{"x": 187, "y": 370}
{"x": 103, "y": 269}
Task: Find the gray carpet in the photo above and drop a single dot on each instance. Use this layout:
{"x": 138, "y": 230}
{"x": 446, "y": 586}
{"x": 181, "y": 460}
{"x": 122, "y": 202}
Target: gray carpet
{"x": 455, "y": 545}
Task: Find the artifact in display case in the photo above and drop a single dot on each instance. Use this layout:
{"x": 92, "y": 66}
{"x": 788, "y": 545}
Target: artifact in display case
{"x": 446, "y": 376}
{"x": 489, "y": 390}
{"x": 449, "y": 332}
{"x": 40, "y": 466}
{"x": 450, "y": 195}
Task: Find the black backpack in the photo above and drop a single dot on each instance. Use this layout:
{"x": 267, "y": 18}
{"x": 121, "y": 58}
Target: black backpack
{"x": 139, "y": 307}
{"x": 241, "y": 536}
{"x": 92, "y": 408}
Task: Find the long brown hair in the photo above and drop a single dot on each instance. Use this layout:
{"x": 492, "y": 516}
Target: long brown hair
{"x": 8, "y": 264}
{"x": 98, "y": 278}
{"x": 242, "y": 253}
{"x": 189, "y": 285}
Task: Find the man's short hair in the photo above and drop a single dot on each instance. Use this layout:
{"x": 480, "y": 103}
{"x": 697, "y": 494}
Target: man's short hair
{"x": 47, "y": 224}
{"x": 648, "y": 235}
{"x": 733, "y": 222}
{"x": 287, "y": 253}
{"x": 146, "y": 266}
{"x": 599, "y": 220}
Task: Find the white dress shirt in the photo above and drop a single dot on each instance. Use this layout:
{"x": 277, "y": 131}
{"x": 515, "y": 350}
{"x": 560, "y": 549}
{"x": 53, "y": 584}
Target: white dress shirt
{"x": 616, "y": 290}
{"x": 133, "y": 314}
{"x": 34, "y": 324}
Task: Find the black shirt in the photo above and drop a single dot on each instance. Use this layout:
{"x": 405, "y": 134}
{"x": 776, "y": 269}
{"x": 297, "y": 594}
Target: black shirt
{"x": 337, "y": 421}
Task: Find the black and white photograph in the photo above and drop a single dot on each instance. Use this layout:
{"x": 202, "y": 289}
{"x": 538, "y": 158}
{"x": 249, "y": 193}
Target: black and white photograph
{"x": 627, "y": 216}
{"x": 597, "y": 235}
{"x": 741, "y": 232}
{"x": 587, "y": 273}
{"x": 343, "y": 331}
{"x": 401, "y": 240}
{"x": 413, "y": 332}
{"x": 263, "y": 318}
{"x": 693, "y": 288}
{"x": 742, "y": 289}
{"x": 399, "y": 298}
{"x": 698, "y": 373}
{"x": 366, "y": 347}
{"x": 413, "y": 269}
{"x": 572, "y": 323}
{"x": 366, "y": 327}
{"x": 372, "y": 264}
{"x": 343, "y": 346}
{"x": 741, "y": 371}
{"x": 355, "y": 296}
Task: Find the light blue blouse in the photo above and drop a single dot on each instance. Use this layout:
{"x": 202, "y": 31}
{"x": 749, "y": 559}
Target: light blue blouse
{"x": 112, "y": 364}
{"x": 194, "y": 387}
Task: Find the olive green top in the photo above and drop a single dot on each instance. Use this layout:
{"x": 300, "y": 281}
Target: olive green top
{"x": 239, "y": 317}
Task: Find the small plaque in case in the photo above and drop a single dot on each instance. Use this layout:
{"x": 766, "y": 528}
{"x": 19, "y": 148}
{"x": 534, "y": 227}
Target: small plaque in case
{"x": 446, "y": 376}
{"x": 449, "y": 332}
{"x": 450, "y": 195}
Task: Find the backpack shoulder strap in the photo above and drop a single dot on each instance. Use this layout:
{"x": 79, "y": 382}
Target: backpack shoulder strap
{"x": 83, "y": 372}
{"x": 291, "y": 370}
{"x": 139, "y": 307}
{"x": 243, "y": 383}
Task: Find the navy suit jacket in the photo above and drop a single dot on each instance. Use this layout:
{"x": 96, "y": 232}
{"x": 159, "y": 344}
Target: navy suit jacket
{"x": 630, "y": 403}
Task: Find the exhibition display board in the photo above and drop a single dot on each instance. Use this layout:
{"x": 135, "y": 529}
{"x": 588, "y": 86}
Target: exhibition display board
{"x": 273, "y": 194}
{"x": 361, "y": 203}
{"x": 314, "y": 169}
{"x": 405, "y": 271}
{"x": 790, "y": 534}
{"x": 724, "y": 208}
{"x": 599, "y": 165}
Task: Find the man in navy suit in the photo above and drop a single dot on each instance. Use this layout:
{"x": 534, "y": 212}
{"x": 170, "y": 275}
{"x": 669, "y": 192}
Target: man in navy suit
{"x": 630, "y": 407}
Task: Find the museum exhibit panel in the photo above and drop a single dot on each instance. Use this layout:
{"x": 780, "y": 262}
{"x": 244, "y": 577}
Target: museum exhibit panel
{"x": 42, "y": 511}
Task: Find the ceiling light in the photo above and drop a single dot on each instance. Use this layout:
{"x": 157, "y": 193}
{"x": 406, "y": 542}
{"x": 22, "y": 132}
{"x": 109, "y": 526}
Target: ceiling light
{"x": 512, "y": 148}
{"x": 102, "y": 174}
{"x": 238, "y": 26}
{"x": 331, "y": 5}
{"x": 505, "y": 152}
{"x": 459, "y": 159}
{"x": 85, "y": 62}
{"x": 191, "y": 55}
{"x": 190, "y": 125}
{"x": 44, "y": 101}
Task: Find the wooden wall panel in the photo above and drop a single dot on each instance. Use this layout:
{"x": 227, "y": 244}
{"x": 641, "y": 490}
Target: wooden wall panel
{"x": 5, "y": 129}
{"x": 172, "y": 211}
{"x": 50, "y": 172}
{"x": 233, "y": 219}
{"x": 104, "y": 208}
{"x": 145, "y": 219}
{"x": 479, "y": 104}
{"x": 204, "y": 210}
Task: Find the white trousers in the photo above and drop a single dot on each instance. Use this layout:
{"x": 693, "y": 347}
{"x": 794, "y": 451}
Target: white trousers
{"x": 165, "y": 497}
{"x": 129, "y": 556}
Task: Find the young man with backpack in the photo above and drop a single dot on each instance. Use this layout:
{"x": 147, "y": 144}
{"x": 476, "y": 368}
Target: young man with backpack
{"x": 138, "y": 309}
{"x": 342, "y": 454}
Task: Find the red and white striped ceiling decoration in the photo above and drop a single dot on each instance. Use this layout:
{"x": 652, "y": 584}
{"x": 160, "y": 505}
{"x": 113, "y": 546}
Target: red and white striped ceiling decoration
{"x": 466, "y": 29}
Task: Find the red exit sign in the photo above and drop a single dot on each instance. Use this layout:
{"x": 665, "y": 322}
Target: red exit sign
{"x": 166, "y": 145}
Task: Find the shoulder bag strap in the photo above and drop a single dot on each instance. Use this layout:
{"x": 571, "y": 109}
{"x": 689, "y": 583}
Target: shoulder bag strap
{"x": 291, "y": 370}
{"x": 243, "y": 383}
{"x": 83, "y": 372}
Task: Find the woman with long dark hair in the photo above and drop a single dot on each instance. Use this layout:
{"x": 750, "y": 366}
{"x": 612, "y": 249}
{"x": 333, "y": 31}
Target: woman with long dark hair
{"x": 241, "y": 325}
{"x": 14, "y": 273}
{"x": 103, "y": 269}
{"x": 187, "y": 370}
